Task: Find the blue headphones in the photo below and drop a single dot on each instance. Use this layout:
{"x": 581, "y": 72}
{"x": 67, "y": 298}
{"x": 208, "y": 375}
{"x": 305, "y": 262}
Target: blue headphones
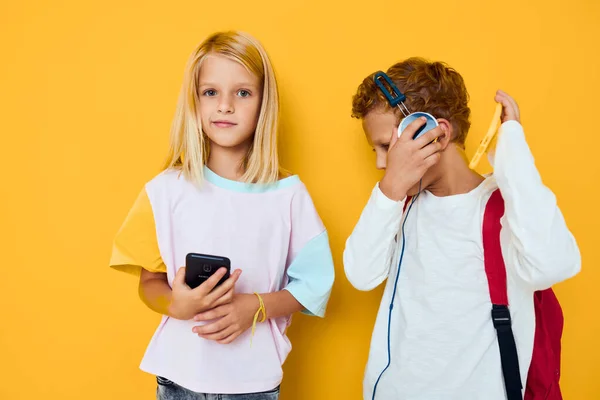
{"x": 396, "y": 99}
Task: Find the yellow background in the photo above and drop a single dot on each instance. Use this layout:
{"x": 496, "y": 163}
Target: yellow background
{"x": 87, "y": 93}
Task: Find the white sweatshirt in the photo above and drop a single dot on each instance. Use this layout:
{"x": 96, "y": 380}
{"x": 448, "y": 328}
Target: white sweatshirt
{"x": 443, "y": 342}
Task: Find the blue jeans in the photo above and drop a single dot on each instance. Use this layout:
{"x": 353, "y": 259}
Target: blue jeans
{"x": 168, "y": 390}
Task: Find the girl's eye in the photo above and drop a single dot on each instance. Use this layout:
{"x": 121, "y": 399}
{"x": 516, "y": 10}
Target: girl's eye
{"x": 210, "y": 93}
{"x": 243, "y": 93}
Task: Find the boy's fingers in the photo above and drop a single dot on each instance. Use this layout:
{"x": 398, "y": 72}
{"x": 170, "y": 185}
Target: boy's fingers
{"x": 432, "y": 160}
{"x": 515, "y": 107}
{"x": 510, "y": 106}
{"x": 429, "y": 137}
{"x": 411, "y": 129}
{"x": 507, "y": 108}
{"x": 430, "y": 149}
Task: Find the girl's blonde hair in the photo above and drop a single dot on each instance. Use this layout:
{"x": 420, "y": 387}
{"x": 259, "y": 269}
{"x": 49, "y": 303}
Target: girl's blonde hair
{"x": 190, "y": 147}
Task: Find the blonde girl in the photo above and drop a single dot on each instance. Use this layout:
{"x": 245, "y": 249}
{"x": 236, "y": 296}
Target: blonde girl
{"x": 223, "y": 193}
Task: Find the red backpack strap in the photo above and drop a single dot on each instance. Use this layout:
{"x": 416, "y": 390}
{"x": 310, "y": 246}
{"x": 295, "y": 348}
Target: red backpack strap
{"x": 406, "y": 204}
{"x": 492, "y": 252}
{"x": 495, "y": 271}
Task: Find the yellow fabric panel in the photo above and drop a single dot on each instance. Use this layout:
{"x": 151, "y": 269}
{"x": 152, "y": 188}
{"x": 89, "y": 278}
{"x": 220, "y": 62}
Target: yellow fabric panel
{"x": 135, "y": 245}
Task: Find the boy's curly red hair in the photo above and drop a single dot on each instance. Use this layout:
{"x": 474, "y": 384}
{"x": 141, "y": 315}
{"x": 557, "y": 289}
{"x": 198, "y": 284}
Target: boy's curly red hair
{"x": 431, "y": 87}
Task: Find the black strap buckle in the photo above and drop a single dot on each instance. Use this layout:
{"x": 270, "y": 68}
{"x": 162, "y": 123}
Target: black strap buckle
{"x": 500, "y": 316}
{"x": 508, "y": 352}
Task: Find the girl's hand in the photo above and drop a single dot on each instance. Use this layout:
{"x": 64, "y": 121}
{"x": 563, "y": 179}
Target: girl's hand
{"x": 232, "y": 319}
{"x": 187, "y": 302}
{"x": 510, "y": 109}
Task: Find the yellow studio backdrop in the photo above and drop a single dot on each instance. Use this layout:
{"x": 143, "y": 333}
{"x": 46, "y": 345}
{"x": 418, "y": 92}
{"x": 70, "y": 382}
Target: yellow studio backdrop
{"x": 87, "y": 93}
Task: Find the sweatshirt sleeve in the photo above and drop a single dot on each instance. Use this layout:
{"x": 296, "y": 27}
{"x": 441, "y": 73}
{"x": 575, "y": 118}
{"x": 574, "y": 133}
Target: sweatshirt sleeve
{"x": 537, "y": 244}
{"x": 368, "y": 252}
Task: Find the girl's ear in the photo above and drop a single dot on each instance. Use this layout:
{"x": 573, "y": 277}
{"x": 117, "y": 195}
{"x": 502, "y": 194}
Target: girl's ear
{"x": 446, "y": 138}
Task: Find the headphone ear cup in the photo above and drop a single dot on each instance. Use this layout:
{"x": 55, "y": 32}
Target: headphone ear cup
{"x": 429, "y": 125}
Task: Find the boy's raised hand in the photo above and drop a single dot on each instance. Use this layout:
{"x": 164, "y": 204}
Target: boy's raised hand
{"x": 510, "y": 109}
{"x": 408, "y": 159}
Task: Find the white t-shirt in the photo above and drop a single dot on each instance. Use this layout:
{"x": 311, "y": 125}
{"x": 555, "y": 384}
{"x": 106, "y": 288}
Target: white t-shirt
{"x": 271, "y": 231}
{"x": 443, "y": 342}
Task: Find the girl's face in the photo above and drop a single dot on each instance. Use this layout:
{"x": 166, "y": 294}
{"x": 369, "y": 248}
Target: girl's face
{"x": 230, "y": 100}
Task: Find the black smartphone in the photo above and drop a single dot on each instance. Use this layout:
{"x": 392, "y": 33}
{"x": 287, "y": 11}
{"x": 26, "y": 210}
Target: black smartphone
{"x": 200, "y": 267}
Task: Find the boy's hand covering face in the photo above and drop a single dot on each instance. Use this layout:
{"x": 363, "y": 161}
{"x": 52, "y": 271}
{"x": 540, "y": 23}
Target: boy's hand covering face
{"x": 408, "y": 159}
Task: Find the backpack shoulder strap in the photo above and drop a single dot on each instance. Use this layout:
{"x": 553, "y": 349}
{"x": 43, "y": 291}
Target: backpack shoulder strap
{"x": 406, "y": 204}
{"x": 495, "y": 271}
{"x": 492, "y": 252}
